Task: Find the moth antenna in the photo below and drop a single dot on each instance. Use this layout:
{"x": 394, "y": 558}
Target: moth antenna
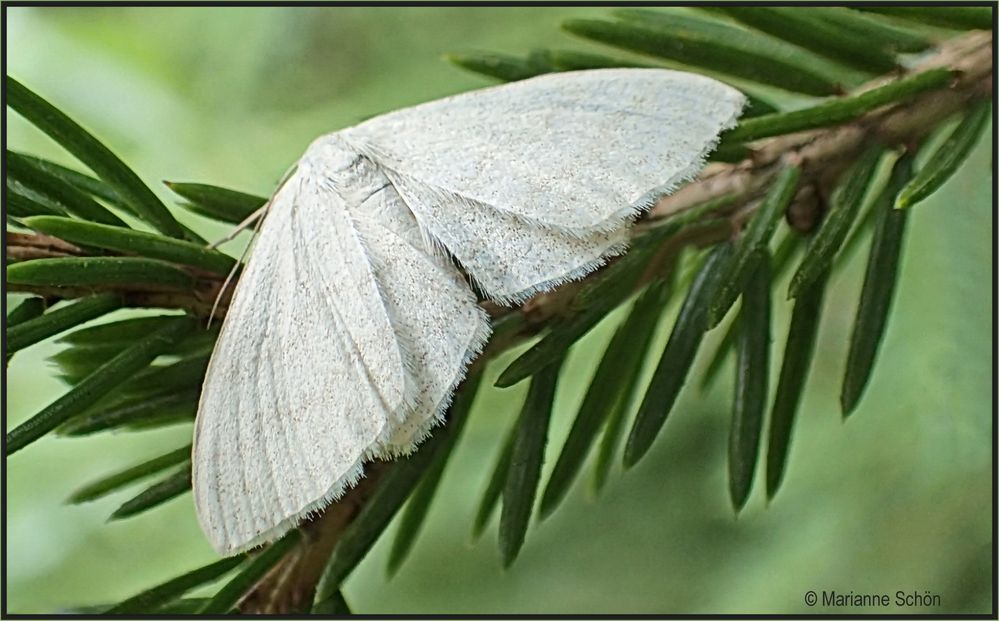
{"x": 250, "y": 220}
{"x": 257, "y": 217}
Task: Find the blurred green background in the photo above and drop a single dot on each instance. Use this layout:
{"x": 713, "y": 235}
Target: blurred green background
{"x": 898, "y": 498}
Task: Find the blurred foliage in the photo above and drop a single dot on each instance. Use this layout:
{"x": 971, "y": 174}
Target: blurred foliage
{"x": 213, "y": 104}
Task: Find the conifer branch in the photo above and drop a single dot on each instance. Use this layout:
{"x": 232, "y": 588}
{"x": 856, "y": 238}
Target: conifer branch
{"x": 733, "y": 190}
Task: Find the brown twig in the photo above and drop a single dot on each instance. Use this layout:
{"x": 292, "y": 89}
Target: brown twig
{"x": 290, "y": 586}
{"x": 827, "y": 151}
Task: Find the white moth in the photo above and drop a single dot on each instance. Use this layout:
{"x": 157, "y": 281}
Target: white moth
{"x": 351, "y": 327}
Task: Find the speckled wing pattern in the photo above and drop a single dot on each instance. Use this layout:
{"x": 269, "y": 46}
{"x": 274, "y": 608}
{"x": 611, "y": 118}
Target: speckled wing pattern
{"x": 528, "y": 184}
{"x": 334, "y": 351}
{"x": 351, "y": 327}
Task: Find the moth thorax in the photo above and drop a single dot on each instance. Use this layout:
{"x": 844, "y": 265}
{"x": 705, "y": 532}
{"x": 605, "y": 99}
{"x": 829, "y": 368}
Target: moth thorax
{"x": 354, "y": 176}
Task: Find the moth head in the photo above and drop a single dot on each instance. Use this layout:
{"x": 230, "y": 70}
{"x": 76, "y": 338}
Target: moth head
{"x": 331, "y": 155}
